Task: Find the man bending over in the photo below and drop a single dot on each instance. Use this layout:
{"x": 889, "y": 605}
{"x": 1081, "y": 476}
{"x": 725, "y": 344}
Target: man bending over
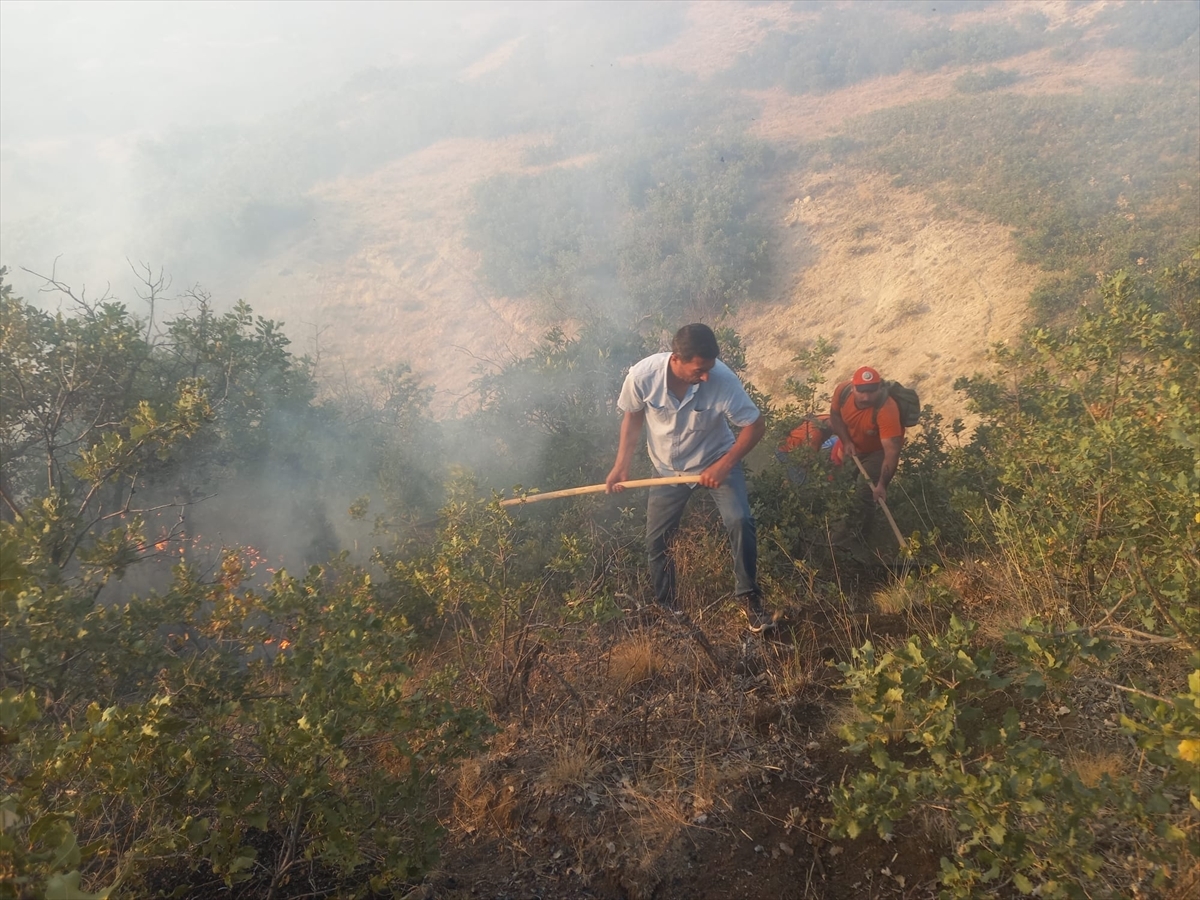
{"x": 868, "y": 422}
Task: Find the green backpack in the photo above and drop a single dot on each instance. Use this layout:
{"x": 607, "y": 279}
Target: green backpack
{"x": 906, "y": 399}
{"x": 908, "y": 402}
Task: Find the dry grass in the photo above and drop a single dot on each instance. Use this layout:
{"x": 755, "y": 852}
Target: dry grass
{"x": 894, "y": 599}
{"x": 573, "y": 764}
{"x": 1093, "y": 767}
{"x": 1015, "y": 586}
{"x": 963, "y": 270}
{"x": 484, "y": 802}
{"x": 631, "y": 736}
{"x": 938, "y": 826}
{"x": 702, "y": 559}
{"x": 632, "y": 662}
{"x": 839, "y": 716}
{"x": 793, "y": 674}
{"x": 1187, "y": 884}
{"x": 632, "y": 742}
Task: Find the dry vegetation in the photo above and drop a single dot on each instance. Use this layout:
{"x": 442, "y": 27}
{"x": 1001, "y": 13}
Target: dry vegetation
{"x": 387, "y": 276}
{"x": 656, "y": 757}
{"x": 718, "y": 32}
{"x": 796, "y": 118}
{"x": 642, "y": 755}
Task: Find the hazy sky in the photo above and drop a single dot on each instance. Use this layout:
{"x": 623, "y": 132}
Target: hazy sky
{"x": 82, "y": 84}
{"x": 100, "y": 68}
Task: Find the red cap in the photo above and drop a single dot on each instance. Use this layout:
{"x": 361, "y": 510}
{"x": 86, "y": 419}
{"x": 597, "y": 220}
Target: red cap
{"x": 866, "y": 375}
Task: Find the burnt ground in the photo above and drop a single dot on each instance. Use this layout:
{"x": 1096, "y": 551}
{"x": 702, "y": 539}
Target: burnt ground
{"x": 725, "y": 794}
{"x": 752, "y": 852}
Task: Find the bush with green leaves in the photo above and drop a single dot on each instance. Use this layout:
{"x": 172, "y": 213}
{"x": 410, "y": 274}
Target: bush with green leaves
{"x": 988, "y": 80}
{"x": 1083, "y": 480}
{"x": 661, "y": 228}
{"x": 1093, "y": 438}
{"x": 146, "y": 734}
{"x": 941, "y": 721}
{"x": 156, "y": 732}
{"x": 506, "y": 578}
{"x": 106, "y": 417}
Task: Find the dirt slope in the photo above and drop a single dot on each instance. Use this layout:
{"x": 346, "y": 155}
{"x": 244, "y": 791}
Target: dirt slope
{"x": 389, "y": 278}
{"x": 894, "y": 284}
{"x": 387, "y": 275}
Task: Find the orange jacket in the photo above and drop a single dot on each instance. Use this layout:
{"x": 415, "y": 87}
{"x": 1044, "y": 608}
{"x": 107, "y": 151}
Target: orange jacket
{"x": 814, "y": 433}
{"x": 808, "y": 433}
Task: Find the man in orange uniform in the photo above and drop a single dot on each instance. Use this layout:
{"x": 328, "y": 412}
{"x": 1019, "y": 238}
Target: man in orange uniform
{"x": 868, "y": 422}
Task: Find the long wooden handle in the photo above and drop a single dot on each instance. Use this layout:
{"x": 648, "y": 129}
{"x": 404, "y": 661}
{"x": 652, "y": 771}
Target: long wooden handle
{"x": 887, "y": 512}
{"x": 601, "y": 488}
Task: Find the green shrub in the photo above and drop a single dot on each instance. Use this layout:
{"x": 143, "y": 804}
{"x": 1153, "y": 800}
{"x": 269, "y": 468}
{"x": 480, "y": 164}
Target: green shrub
{"x": 988, "y": 80}
{"x": 659, "y": 229}
{"x": 1092, "y": 435}
{"x": 941, "y": 722}
{"x": 158, "y": 731}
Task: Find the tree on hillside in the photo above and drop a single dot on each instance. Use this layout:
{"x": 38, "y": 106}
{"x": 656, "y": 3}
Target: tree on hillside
{"x": 663, "y": 228}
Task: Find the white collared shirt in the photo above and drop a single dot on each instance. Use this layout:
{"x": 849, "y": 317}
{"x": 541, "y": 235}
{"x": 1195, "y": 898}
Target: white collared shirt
{"x": 685, "y": 436}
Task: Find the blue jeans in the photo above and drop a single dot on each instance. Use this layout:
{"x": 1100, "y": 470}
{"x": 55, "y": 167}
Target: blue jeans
{"x": 664, "y": 510}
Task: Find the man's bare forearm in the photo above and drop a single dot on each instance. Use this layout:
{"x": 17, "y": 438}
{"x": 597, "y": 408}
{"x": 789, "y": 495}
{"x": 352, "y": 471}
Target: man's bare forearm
{"x": 891, "y": 459}
{"x": 838, "y": 426}
{"x": 631, "y": 432}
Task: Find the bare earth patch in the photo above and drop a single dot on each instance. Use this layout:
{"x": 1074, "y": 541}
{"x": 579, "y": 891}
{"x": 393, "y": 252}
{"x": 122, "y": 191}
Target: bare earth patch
{"x": 388, "y": 278}
{"x": 706, "y": 777}
{"x": 493, "y": 60}
{"x": 890, "y": 280}
{"x": 718, "y": 32}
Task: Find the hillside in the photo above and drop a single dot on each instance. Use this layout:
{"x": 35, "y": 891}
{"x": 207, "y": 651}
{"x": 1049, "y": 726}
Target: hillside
{"x": 386, "y": 274}
{"x": 283, "y": 619}
{"x": 889, "y": 278}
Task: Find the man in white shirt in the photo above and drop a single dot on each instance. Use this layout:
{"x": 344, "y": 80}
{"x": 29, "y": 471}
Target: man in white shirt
{"x": 686, "y": 400}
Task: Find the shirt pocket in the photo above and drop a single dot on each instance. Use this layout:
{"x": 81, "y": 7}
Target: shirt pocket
{"x": 703, "y": 421}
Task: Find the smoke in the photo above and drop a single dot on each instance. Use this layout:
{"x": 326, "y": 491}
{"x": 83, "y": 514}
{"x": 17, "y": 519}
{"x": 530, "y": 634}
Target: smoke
{"x": 391, "y": 171}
